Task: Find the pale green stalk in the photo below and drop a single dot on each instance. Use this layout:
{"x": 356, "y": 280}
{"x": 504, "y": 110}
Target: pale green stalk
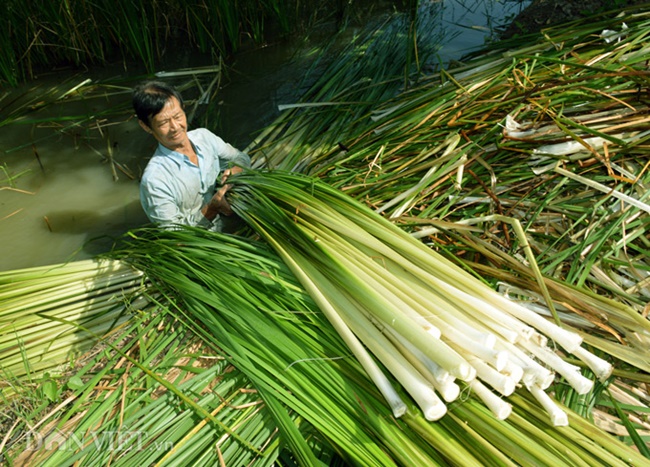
{"x": 412, "y": 381}
{"x": 604, "y": 189}
{"x": 344, "y": 331}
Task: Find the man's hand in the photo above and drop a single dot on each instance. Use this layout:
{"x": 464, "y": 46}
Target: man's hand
{"x": 218, "y": 203}
{"x": 228, "y": 172}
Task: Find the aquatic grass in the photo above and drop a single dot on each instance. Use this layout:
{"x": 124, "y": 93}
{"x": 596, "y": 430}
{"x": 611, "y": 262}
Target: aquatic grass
{"x": 41, "y": 309}
{"x": 519, "y": 112}
{"x": 9, "y": 70}
{"x": 126, "y": 401}
{"x": 42, "y": 35}
{"x": 139, "y": 34}
{"x": 369, "y": 70}
{"x": 239, "y": 315}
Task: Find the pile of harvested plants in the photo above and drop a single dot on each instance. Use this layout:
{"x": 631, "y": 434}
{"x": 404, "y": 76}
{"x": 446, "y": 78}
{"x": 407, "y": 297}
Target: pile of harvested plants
{"x": 507, "y": 190}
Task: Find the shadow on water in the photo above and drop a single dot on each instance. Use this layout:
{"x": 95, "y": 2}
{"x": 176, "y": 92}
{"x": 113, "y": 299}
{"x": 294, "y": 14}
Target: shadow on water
{"x": 98, "y": 230}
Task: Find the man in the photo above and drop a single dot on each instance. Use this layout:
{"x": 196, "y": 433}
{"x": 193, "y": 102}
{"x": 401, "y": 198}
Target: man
{"x": 178, "y": 184}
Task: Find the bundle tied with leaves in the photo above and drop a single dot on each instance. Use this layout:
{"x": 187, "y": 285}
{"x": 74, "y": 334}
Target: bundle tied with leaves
{"x": 435, "y": 327}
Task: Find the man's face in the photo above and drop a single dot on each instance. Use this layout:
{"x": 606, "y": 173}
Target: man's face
{"x": 169, "y": 126}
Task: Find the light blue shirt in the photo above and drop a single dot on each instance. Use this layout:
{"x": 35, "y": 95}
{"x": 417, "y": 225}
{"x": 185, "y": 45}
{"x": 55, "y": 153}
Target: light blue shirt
{"x": 173, "y": 190}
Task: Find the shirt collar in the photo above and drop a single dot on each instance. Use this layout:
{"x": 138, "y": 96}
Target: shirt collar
{"x": 177, "y": 157}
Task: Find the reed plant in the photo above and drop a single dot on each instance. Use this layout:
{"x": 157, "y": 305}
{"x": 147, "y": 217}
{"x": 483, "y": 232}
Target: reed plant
{"x": 243, "y": 302}
{"x": 549, "y": 137}
{"x": 41, "y": 35}
{"x": 43, "y": 308}
{"x": 370, "y": 69}
{"x": 228, "y": 351}
{"x": 512, "y": 131}
{"x": 44, "y": 34}
{"x": 145, "y": 394}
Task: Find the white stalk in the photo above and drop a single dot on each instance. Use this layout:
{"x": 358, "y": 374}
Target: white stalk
{"x": 434, "y": 312}
{"x": 539, "y": 339}
{"x": 82, "y": 306}
{"x": 75, "y": 269}
{"x": 440, "y": 378}
{"x": 398, "y": 316}
{"x": 570, "y": 341}
{"x": 496, "y": 318}
{"x": 509, "y": 335}
{"x": 395, "y": 402}
{"x": 534, "y": 373}
{"x": 413, "y": 382}
{"x": 438, "y": 374}
{"x": 500, "y": 382}
{"x": 601, "y": 368}
{"x": 539, "y": 378}
{"x": 368, "y": 274}
{"x": 558, "y": 416}
{"x": 71, "y": 293}
{"x": 495, "y": 306}
{"x": 500, "y": 408}
{"x": 605, "y": 189}
{"x": 571, "y": 373}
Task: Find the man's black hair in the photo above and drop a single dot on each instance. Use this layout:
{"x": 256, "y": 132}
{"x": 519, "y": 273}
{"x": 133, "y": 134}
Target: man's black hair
{"x": 150, "y": 97}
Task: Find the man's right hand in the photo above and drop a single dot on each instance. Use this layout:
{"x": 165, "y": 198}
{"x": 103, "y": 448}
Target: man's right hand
{"x": 218, "y": 204}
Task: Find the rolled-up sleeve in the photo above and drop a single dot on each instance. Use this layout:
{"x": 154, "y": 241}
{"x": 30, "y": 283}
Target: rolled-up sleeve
{"x": 225, "y": 152}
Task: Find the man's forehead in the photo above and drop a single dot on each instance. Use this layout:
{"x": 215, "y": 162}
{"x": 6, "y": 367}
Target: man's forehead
{"x": 172, "y": 107}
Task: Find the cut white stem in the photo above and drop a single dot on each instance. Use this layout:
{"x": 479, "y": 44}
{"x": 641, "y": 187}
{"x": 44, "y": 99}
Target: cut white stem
{"x": 438, "y": 374}
{"x": 500, "y": 382}
{"x": 449, "y": 391}
{"x": 513, "y": 370}
{"x": 441, "y": 379}
{"x": 558, "y": 416}
{"x": 395, "y": 402}
{"x": 500, "y": 408}
{"x": 534, "y": 373}
{"x": 601, "y": 368}
{"x": 571, "y": 373}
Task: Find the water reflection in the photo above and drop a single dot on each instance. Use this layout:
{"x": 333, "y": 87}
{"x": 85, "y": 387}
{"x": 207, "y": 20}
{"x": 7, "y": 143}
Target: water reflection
{"x": 71, "y": 164}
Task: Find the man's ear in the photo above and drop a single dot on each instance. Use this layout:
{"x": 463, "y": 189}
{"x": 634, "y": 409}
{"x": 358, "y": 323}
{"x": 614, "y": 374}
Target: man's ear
{"x": 144, "y": 126}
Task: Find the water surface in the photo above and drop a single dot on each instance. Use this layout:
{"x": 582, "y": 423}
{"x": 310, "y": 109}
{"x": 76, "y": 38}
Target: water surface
{"x": 70, "y": 201}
